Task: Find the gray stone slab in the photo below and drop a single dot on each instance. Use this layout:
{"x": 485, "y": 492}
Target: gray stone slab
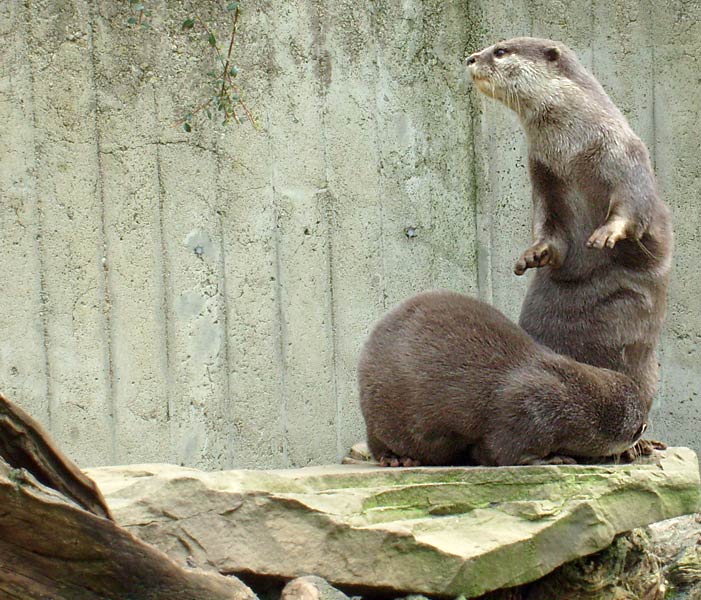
{"x": 23, "y": 353}
{"x": 354, "y": 198}
{"x": 246, "y": 205}
{"x": 295, "y": 123}
{"x": 676, "y": 37}
{"x": 74, "y": 273}
{"x": 130, "y": 179}
{"x": 439, "y": 531}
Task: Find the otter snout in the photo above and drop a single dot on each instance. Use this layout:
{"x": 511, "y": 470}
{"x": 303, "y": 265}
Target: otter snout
{"x": 623, "y": 446}
{"x": 479, "y": 70}
{"x": 472, "y": 63}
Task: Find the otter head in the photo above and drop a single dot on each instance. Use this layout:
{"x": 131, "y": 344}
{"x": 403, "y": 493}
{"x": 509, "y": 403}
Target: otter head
{"x": 526, "y": 74}
{"x": 622, "y": 419}
{"x": 630, "y": 420}
{"x": 611, "y": 405}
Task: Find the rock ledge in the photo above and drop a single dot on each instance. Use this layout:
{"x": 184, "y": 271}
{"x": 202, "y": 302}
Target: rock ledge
{"x": 440, "y": 531}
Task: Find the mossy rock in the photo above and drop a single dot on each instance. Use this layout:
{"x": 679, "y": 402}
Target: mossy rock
{"x": 436, "y": 531}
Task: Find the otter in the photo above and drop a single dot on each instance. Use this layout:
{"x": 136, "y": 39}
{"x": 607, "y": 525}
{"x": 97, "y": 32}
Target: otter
{"x": 445, "y": 379}
{"x": 602, "y": 237}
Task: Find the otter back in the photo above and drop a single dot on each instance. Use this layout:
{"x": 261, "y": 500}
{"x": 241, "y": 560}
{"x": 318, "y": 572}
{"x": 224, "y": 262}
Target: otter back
{"x": 446, "y": 379}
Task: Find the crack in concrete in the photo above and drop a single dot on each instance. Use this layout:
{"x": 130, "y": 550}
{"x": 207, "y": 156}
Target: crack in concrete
{"x": 281, "y": 329}
{"x": 378, "y": 151}
{"x": 107, "y": 291}
{"x": 327, "y": 197}
{"x": 230, "y": 462}
{"x": 40, "y": 246}
{"x": 165, "y": 279}
{"x": 122, "y": 149}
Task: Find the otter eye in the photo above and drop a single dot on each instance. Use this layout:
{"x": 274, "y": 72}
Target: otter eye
{"x": 499, "y": 52}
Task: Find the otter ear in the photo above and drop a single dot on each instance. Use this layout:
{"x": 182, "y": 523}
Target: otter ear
{"x": 552, "y": 53}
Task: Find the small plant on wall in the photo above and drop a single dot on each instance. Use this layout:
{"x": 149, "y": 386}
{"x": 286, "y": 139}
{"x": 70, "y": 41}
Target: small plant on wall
{"x": 225, "y": 101}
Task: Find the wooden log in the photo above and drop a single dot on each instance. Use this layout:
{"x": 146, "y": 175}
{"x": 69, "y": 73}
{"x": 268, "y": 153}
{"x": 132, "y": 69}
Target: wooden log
{"x": 50, "y": 548}
{"x": 57, "y": 538}
{"x": 24, "y": 444}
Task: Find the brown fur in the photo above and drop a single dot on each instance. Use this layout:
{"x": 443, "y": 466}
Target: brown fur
{"x": 602, "y": 236}
{"x": 446, "y": 379}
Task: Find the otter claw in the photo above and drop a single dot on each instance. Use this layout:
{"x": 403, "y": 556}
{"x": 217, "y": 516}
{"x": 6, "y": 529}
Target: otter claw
{"x": 641, "y": 448}
{"x": 655, "y": 444}
{"x": 395, "y": 461}
{"x": 556, "y": 459}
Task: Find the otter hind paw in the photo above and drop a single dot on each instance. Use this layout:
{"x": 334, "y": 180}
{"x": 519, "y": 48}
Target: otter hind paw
{"x": 538, "y": 255}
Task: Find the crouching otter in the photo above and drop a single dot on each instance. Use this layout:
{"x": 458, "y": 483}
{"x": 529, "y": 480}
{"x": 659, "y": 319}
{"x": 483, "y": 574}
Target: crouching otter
{"x": 445, "y": 379}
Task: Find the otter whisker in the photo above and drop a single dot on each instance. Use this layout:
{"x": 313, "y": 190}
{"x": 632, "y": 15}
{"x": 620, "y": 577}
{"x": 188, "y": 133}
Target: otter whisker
{"x": 645, "y": 249}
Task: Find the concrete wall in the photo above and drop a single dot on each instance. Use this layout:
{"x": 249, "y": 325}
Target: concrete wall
{"x": 201, "y": 298}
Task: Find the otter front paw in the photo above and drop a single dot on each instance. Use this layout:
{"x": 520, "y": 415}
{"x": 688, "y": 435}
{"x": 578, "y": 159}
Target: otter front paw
{"x": 613, "y": 231}
{"x": 642, "y": 448}
{"x": 538, "y": 255}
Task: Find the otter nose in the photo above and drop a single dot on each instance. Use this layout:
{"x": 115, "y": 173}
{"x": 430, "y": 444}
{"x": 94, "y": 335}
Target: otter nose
{"x": 470, "y": 60}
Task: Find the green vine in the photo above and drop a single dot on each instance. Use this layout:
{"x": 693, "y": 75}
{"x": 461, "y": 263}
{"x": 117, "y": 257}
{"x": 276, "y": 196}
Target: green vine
{"x": 139, "y": 12}
{"x": 225, "y": 99}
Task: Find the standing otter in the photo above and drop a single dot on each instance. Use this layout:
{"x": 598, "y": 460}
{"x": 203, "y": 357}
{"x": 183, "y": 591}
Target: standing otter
{"x": 445, "y": 379}
{"x": 602, "y": 236}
